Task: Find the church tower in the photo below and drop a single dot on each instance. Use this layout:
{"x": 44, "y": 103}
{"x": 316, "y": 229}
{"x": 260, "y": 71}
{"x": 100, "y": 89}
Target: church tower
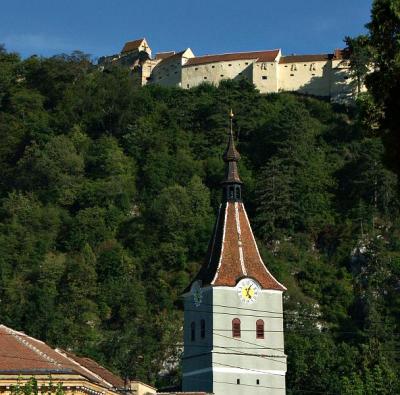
{"x": 233, "y": 331}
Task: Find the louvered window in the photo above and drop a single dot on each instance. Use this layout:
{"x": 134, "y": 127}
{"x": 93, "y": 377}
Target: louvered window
{"x": 192, "y": 331}
{"x": 236, "y": 327}
{"x": 260, "y": 329}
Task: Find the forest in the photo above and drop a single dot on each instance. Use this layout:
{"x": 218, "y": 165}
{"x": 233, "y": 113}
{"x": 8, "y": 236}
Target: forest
{"x": 109, "y": 192}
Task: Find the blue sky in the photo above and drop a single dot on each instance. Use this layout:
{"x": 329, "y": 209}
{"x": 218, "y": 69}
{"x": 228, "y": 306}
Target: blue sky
{"x": 100, "y": 27}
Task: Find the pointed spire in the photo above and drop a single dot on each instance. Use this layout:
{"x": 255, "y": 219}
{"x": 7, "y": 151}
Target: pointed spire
{"x": 231, "y": 154}
{"x": 232, "y": 183}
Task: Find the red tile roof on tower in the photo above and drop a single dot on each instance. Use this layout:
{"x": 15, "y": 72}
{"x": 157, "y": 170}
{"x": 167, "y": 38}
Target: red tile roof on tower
{"x": 132, "y": 45}
{"x": 263, "y": 56}
{"x": 23, "y": 354}
{"x": 233, "y": 252}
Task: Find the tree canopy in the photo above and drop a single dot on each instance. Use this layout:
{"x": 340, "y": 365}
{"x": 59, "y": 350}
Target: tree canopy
{"x": 108, "y": 194}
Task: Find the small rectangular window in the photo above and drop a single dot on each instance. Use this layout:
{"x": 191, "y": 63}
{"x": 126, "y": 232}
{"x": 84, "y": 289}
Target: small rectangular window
{"x": 246, "y": 63}
{"x": 196, "y": 68}
{"x": 258, "y": 381}
{"x": 264, "y": 77}
{"x": 187, "y": 86}
{"x": 230, "y": 64}
{"x": 205, "y": 78}
{"x": 237, "y": 381}
{"x": 292, "y": 75}
{"x": 213, "y": 66}
{"x": 221, "y": 75}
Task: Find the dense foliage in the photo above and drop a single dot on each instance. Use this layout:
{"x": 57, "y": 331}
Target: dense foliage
{"x": 108, "y": 196}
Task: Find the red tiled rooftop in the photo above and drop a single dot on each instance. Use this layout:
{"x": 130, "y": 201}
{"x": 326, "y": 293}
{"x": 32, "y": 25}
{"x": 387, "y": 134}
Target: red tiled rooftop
{"x": 305, "y": 58}
{"x": 264, "y": 56}
{"x": 226, "y": 264}
{"x": 132, "y": 45}
{"x": 21, "y": 353}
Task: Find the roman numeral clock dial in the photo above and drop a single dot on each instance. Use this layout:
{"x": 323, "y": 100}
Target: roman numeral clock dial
{"x": 247, "y": 291}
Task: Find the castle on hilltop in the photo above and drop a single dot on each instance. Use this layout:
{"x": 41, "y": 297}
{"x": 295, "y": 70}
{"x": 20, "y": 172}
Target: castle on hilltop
{"x": 322, "y": 75}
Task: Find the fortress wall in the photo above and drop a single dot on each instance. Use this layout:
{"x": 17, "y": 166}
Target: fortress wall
{"x": 215, "y": 72}
{"x": 168, "y": 72}
{"x": 312, "y": 78}
{"x": 265, "y": 76}
{"x": 343, "y": 88}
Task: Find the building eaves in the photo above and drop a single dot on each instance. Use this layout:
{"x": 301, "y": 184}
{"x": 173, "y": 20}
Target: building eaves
{"x": 305, "y": 58}
{"x": 265, "y": 56}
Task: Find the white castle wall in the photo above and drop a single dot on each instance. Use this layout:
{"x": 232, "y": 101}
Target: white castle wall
{"x": 311, "y": 78}
{"x": 265, "y": 76}
{"x": 215, "y": 72}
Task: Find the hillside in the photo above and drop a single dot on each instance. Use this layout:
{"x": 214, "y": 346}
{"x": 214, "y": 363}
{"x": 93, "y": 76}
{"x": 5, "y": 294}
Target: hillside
{"x": 108, "y": 197}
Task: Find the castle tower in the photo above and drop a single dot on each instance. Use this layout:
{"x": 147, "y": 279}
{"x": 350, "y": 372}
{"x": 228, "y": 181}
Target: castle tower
{"x": 233, "y": 331}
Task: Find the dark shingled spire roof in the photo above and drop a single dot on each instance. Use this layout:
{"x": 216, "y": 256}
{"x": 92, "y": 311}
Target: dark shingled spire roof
{"x": 231, "y": 156}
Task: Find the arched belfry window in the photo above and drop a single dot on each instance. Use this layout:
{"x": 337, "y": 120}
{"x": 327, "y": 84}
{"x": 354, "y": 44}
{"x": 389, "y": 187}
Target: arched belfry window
{"x": 260, "y": 329}
{"x": 231, "y": 193}
{"x": 192, "y": 331}
{"x": 203, "y": 328}
{"x": 236, "y": 327}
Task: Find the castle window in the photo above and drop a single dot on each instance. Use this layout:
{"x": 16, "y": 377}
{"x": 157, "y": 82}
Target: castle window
{"x": 236, "y": 327}
{"x": 264, "y": 77}
{"x": 292, "y": 75}
{"x": 203, "y": 329}
{"x": 192, "y": 331}
{"x": 260, "y": 329}
{"x": 205, "y": 78}
{"x": 237, "y": 381}
{"x": 258, "y": 381}
{"x": 221, "y": 75}
{"x": 246, "y": 63}
{"x": 196, "y": 68}
{"x": 230, "y": 64}
{"x": 187, "y": 86}
{"x": 213, "y": 66}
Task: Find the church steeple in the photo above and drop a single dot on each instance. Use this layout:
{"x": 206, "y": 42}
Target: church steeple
{"x": 217, "y": 305}
{"x": 232, "y": 185}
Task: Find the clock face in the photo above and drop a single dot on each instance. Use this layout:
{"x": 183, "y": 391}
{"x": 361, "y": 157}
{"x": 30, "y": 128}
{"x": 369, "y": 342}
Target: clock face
{"x": 248, "y": 290}
{"x": 197, "y": 294}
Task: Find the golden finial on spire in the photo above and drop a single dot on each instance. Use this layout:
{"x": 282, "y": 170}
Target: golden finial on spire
{"x": 231, "y": 114}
